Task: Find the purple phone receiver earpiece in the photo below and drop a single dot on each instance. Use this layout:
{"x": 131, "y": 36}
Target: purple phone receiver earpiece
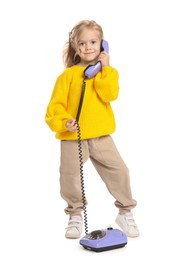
{"x": 105, "y": 46}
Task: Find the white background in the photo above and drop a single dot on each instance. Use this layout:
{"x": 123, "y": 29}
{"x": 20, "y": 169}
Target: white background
{"x": 149, "y": 46}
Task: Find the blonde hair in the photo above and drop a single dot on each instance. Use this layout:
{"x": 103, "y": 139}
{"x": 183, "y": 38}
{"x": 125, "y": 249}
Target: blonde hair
{"x": 70, "y": 56}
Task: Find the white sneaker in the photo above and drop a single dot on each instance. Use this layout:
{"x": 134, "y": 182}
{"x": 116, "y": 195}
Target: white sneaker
{"x": 127, "y": 224}
{"x": 74, "y": 228}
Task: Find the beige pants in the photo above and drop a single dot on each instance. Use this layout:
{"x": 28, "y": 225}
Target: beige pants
{"x": 109, "y": 165}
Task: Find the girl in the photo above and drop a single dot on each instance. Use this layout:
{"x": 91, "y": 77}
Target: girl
{"x": 96, "y": 123}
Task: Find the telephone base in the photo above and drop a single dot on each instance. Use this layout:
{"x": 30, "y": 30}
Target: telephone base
{"x": 103, "y": 240}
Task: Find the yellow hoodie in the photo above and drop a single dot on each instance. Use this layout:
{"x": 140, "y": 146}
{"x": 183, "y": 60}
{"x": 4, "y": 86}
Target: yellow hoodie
{"x": 96, "y": 118}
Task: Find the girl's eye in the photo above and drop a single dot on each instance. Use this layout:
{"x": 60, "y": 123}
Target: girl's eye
{"x": 93, "y": 42}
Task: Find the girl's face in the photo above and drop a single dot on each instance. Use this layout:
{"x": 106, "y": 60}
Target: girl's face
{"x": 88, "y": 47}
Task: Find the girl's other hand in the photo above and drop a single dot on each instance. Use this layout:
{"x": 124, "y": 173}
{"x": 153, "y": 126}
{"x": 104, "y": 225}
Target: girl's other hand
{"x": 71, "y": 125}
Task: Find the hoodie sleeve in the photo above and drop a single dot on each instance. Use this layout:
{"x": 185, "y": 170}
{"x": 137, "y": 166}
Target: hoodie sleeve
{"x": 106, "y": 84}
{"x": 56, "y": 115}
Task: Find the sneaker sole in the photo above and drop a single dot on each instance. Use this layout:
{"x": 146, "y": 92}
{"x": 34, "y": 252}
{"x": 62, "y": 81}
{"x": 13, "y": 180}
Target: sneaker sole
{"x": 72, "y": 236}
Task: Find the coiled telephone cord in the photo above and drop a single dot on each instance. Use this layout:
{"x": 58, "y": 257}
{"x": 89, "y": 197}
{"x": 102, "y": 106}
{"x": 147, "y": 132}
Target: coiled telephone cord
{"x": 81, "y": 158}
{"x": 82, "y": 178}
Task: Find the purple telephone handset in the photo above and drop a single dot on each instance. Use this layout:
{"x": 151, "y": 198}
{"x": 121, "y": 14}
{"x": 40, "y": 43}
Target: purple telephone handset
{"x": 92, "y": 70}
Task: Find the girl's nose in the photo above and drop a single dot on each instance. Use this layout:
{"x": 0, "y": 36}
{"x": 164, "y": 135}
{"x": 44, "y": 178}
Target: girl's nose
{"x": 87, "y": 46}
